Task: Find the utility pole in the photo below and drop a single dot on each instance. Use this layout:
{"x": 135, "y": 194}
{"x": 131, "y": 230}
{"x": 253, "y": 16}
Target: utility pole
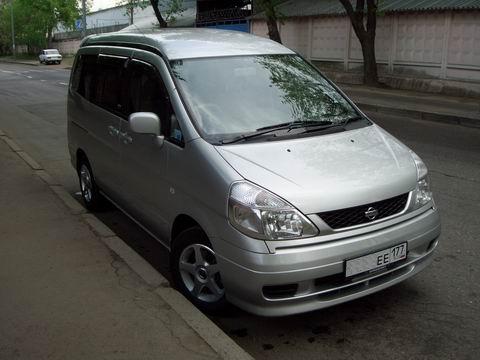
{"x": 13, "y": 29}
{"x": 84, "y": 19}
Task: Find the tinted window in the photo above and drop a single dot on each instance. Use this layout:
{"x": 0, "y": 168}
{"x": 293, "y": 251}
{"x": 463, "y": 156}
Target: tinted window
{"x": 84, "y": 77}
{"x": 110, "y": 75}
{"x": 77, "y": 73}
{"x": 146, "y": 92}
{"x": 100, "y": 80}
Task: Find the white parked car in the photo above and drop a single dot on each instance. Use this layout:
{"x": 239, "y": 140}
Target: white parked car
{"x": 50, "y": 56}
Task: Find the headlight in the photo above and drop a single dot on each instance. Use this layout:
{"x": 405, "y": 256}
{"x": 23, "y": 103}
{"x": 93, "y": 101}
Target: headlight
{"x": 421, "y": 167}
{"x": 258, "y": 213}
{"x": 422, "y": 194}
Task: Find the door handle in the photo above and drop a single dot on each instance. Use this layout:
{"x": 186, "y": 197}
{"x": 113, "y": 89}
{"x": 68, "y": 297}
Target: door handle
{"x": 127, "y": 139}
{"x": 113, "y": 131}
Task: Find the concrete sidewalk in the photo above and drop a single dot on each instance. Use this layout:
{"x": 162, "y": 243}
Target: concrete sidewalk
{"x": 425, "y": 106}
{"x": 65, "y": 295}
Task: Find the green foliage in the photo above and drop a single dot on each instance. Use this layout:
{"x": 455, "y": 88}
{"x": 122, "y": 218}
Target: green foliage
{"x": 131, "y": 5}
{"x": 172, "y": 8}
{"x": 270, "y": 9}
{"x": 310, "y": 96}
{"x": 35, "y": 21}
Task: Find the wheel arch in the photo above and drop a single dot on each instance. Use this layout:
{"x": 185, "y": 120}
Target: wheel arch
{"x": 182, "y": 222}
{"x": 79, "y": 156}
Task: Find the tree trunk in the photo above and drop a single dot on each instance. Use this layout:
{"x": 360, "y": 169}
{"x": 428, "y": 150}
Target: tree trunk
{"x": 370, "y": 75}
{"x": 131, "y": 15}
{"x": 49, "y": 37}
{"x": 273, "y": 32}
{"x": 268, "y": 7}
{"x": 158, "y": 14}
{"x": 365, "y": 34}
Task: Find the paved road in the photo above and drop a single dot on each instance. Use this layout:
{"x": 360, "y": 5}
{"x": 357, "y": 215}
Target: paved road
{"x": 435, "y": 315}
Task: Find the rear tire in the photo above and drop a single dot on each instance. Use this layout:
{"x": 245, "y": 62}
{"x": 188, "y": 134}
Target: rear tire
{"x": 195, "y": 271}
{"x": 91, "y": 196}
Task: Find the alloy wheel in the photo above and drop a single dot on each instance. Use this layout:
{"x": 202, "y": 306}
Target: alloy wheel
{"x": 86, "y": 184}
{"x": 200, "y": 273}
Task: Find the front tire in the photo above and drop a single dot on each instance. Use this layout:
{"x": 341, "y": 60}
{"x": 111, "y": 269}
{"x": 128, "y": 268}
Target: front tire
{"x": 195, "y": 271}
{"x": 90, "y": 194}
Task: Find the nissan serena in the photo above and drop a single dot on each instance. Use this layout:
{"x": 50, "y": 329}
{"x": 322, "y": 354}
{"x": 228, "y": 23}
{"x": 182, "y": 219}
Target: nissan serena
{"x": 268, "y": 186}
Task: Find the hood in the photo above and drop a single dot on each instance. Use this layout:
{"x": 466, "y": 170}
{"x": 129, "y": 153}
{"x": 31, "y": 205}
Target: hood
{"x": 328, "y": 172}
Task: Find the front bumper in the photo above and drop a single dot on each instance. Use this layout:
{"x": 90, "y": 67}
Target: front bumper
{"x": 307, "y": 278}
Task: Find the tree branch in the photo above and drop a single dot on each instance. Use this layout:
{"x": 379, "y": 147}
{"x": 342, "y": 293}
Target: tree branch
{"x": 348, "y": 8}
{"x": 360, "y": 6}
{"x": 158, "y": 14}
{"x": 356, "y": 17}
{"x": 371, "y": 17}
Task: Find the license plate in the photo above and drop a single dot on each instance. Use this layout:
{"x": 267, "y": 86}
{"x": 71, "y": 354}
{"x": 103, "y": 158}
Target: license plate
{"x": 376, "y": 261}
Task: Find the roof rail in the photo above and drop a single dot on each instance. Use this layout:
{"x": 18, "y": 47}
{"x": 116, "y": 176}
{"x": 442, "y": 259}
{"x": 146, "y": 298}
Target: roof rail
{"x": 144, "y": 47}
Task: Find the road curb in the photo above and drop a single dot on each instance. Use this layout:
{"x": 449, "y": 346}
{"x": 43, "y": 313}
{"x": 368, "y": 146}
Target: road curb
{"x": 98, "y": 227}
{"x": 18, "y": 62}
{"x": 220, "y": 342}
{"x": 73, "y": 205}
{"x": 12, "y": 144}
{"x": 421, "y": 115}
{"x": 69, "y": 67}
{"x": 138, "y": 264}
{"x": 211, "y": 333}
{"x": 42, "y": 174}
{"x": 28, "y": 159}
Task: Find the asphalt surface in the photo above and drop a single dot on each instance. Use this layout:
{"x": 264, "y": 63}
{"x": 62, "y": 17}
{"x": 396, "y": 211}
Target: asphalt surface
{"x": 435, "y": 315}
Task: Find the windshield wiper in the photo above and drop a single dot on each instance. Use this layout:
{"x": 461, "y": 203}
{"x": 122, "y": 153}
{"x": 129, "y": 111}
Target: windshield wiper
{"x": 332, "y": 127}
{"x": 272, "y": 128}
{"x": 352, "y": 119}
{"x": 244, "y": 137}
{"x": 295, "y": 124}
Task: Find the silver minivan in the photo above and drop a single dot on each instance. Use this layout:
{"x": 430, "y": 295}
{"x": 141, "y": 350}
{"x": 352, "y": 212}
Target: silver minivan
{"x": 268, "y": 186}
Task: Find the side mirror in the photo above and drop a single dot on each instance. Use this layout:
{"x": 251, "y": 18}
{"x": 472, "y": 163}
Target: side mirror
{"x": 146, "y": 123}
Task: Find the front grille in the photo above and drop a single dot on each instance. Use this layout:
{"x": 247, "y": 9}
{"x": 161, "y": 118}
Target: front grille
{"x": 343, "y": 218}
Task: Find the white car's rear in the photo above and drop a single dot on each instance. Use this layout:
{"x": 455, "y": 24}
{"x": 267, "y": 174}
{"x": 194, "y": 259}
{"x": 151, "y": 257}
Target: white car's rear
{"x": 50, "y": 56}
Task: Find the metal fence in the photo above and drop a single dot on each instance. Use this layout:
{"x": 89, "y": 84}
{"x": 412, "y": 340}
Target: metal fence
{"x": 69, "y": 35}
{"x": 222, "y": 15}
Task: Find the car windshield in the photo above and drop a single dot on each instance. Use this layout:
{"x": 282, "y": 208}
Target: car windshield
{"x": 243, "y": 94}
{"x": 51, "y": 52}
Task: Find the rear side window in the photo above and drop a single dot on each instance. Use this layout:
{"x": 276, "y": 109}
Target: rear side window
{"x": 77, "y": 71}
{"x": 84, "y": 76}
{"x": 110, "y": 83}
{"x": 100, "y": 80}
